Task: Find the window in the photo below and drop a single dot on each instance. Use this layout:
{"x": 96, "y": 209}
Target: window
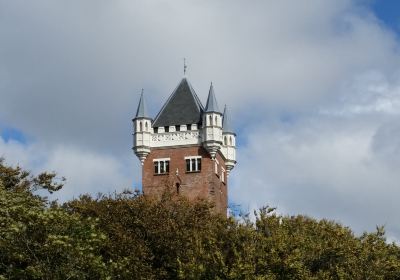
{"x": 140, "y": 126}
{"x": 223, "y": 175}
{"x": 216, "y": 120}
{"x": 225, "y": 142}
{"x": 147, "y": 127}
{"x": 193, "y": 164}
{"x": 156, "y": 130}
{"x": 210, "y": 120}
{"x": 167, "y": 129}
{"x": 189, "y": 127}
{"x": 161, "y": 166}
{"x": 216, "y": 166}
{"x": 177, "y": 128}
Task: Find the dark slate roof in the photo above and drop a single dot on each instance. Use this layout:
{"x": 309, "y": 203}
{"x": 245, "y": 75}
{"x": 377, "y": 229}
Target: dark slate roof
{"x": 212, "y": 105}
{"x": 182, "y": 107}
{"x": 142, "y": 108}
{"x": 226, "y": 122}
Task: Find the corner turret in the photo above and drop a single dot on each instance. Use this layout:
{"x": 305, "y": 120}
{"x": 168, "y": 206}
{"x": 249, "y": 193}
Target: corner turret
{"x": 229, "y": 142}
{"x": 142, "y": 130}
{"x": 212, "y": 125}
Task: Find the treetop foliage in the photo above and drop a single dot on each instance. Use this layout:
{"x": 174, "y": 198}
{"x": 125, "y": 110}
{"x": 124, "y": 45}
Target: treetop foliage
{"x": 130, "y": 236}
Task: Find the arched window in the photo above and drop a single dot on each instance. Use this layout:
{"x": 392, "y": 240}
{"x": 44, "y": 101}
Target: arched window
{"x": 216, "y": 120}
{"x": 210, "y": 120}
{"x": 146, "y": 126}
{"x": 140, "y": 126}
{"x": 225, "y": 142}
{"x": 230, "y": 140}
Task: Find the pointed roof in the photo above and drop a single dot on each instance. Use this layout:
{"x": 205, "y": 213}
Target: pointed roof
{"x": 212, "y": 105}
{"x": 226, "y": 122}
{"x": 182, "y": 107}
{"x": 142, "y": 108}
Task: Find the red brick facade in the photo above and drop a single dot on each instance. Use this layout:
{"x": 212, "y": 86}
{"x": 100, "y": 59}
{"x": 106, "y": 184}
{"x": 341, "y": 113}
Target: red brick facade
{"x": 206, "y": 183}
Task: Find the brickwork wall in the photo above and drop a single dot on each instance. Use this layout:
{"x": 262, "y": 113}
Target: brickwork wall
{"x": 205, "y": 184}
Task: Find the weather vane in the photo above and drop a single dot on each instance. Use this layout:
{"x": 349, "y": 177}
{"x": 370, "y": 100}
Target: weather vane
{"x": 184, "y": 66}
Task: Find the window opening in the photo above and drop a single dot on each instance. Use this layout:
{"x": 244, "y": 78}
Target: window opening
{"x": 140, "y": 126}
{"x": 189, "y": 127}
{"x": 178, "y": 186}
{"x": 216, "y": 120}
{"x": 167, "y": 129}
{"x": 146, "y": 126}
{"x": 193, "y": 164}
{"x": 156, "y": 130}
{"x": 225, "y": 142}
{"x": 177, "y": 128}
{"x": 161, "y": 166}
{"x": 210, "y": 120}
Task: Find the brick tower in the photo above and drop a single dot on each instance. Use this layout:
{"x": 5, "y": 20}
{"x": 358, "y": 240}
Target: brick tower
{"x": 186, "y": 146}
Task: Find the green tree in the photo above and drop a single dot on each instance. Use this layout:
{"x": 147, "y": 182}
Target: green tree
{"x": 39, "y": 241}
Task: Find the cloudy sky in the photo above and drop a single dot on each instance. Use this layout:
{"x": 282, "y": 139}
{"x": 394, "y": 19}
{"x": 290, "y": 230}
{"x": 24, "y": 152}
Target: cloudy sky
{"x": 313, "y": 87}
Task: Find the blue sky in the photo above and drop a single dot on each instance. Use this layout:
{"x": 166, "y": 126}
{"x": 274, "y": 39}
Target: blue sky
{"x": 388, "y": 12}
{"x": 313, "y": 89}
{"x": 13, "y": 134}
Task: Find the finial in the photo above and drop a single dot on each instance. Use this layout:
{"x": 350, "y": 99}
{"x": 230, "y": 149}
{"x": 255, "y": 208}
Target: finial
{"x": 184, "y": 66}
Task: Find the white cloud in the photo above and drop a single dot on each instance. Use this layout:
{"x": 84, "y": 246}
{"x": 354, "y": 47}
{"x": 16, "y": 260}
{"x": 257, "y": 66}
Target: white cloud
{"x": 70, "y": 74}
{"x": 342, "y": 163}
{"x": 86, "y": 172}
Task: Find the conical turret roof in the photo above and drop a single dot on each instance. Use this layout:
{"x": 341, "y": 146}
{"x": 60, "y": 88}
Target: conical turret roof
{"x": 212, "y": 105}
{"x": 142, "y": 108}
{"x": 182, "y": 107}
{"x": 226, "y": 122}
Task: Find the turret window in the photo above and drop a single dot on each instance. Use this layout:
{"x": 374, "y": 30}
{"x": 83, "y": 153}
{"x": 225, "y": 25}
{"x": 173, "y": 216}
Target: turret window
{"x": 189, "y": 127}
{"x": 167, "y": 129}
{"x": 193, "y": 164}
{"x": 216, "y": 120}
{"x": 146, "y": 126}
{"x": 210, "y": 120}
{"x": 140, "y": 126}
{"x": 161, "y": 166}
{"x": 225, "y": 142}
{"x": 216, "y": 163}
{"x": 177, "y": 128}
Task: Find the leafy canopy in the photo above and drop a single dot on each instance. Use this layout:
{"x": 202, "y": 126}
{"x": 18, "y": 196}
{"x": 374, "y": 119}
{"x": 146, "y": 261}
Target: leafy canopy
{"x": 130, "y": 236}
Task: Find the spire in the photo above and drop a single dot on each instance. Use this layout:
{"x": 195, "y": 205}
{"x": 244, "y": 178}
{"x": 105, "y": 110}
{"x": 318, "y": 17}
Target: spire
{"x": 226, "y": 122}
{"x": 142, "y": 108}
{"x": 184, "y": 67}
{"x": 212, "y": 105}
